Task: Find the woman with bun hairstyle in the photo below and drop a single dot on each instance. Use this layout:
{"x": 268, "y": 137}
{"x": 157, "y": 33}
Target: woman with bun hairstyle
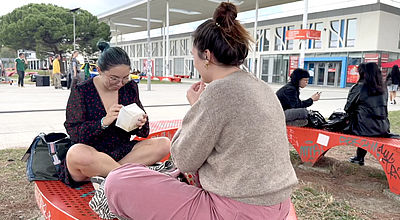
{"x": 92, "y": 109}
{"x": 234, "y": 135}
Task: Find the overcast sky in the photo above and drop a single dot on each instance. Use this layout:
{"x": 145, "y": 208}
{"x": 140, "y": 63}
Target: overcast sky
{"x": 93, "y": 6}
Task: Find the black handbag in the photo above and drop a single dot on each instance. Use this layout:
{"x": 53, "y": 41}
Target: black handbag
{"x": 315, "y": 119}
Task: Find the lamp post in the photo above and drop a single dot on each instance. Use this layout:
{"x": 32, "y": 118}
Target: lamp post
{"x": 73, "y": 14}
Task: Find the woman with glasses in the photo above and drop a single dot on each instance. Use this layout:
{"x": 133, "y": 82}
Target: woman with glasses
{"x": 92, "y": 109}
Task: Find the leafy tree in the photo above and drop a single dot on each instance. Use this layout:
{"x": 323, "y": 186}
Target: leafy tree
{"x": 48, "y": 29}
{"x": 6, "y": 52}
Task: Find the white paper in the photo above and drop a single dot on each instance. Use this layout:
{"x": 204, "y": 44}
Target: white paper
{"x": 129, "y": 116}
{"x": 323, "y": 139}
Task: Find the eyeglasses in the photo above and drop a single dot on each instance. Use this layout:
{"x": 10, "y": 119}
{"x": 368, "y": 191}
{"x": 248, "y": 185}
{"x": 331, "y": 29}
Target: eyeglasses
{"x": 116, "y": 80}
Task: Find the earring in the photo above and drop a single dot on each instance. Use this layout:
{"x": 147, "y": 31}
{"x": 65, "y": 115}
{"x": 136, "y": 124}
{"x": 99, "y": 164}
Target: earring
{"x": 206, "y": 64}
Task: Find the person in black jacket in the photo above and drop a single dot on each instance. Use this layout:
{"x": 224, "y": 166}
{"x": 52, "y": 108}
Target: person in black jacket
{"x": 367, "y": 107}
{"x": 393, "y": 81}
{"x": 289, "y": 96}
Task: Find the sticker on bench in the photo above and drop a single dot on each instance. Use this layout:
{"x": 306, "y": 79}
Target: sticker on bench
{"x": 323, "y": 139}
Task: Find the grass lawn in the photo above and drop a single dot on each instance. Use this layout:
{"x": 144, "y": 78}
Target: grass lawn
{"x": 311, "y": 201}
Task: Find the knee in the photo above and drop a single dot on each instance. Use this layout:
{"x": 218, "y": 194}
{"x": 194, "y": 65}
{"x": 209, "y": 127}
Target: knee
{"x": 80, "y": 154}
{"x": 163, "y": 145}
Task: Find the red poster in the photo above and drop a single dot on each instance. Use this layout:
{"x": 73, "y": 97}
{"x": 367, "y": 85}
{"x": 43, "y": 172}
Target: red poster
{"x": 293, "y": 63}
{"x": 151, "y": 64}
{"x": 352, "y": 74}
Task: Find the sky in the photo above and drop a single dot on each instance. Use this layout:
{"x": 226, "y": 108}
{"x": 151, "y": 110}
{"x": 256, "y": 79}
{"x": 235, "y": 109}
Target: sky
{"x": 97, "y": 7}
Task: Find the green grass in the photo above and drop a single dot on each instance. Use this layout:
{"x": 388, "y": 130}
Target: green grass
{"x": 394, "y": 118}
{"x": 313, "y": 202}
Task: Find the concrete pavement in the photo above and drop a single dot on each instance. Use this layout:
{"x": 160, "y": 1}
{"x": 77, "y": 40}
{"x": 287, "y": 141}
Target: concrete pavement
{"x": 25, "y": 112}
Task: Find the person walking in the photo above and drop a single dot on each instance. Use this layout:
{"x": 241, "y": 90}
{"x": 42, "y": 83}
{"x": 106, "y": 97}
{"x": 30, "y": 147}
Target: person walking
{"x": 57, "y": 72}
{"x": 73, "y": 75}
{"x": 19, "y": 66}
{"x": 393, "y": 81}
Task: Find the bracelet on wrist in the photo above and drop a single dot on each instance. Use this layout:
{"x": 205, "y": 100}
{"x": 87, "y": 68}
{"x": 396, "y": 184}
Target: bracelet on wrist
{"x": 102, "y": 124}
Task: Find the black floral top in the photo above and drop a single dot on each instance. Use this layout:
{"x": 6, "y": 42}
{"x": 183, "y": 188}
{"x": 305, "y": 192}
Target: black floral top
{"x": 83, "y": 122}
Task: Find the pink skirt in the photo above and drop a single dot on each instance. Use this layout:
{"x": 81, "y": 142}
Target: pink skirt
{"x": 136, "y": 192}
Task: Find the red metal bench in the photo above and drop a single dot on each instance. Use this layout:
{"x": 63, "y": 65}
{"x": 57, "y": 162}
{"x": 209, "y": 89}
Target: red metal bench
{"x": 182, "y": 76}
{"x": 58, "y": 201}
{"x": 312, "y": 144}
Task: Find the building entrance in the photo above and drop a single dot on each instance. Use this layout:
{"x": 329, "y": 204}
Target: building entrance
{"x": 324, "y": 73}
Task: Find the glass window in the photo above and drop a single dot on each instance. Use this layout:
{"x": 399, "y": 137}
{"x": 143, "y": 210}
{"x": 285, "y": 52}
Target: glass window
{"x": 266, "y": 40}
{"x": 333, "y": 36}
{"x": 351, "y": 32}
{"x": 139, "y": 51}
{"x": 289, "y": 43}
{"x": 154, "y": 48}
{"x": 319, "y": 27}
{"x": 399, "y": 39}
{"x": 278, "y": 38}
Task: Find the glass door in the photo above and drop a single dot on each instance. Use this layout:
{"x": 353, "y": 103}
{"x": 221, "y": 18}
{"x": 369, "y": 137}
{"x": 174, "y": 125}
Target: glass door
{"x": 320, "y": 73}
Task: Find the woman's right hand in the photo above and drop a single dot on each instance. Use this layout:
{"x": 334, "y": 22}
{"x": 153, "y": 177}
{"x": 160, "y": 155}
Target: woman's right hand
{"x": 195, "y": 91}
{"x": 112, "y": 114}
{"x": 316, "y": 96}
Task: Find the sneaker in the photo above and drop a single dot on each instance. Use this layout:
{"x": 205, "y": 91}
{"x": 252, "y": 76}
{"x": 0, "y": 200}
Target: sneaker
{"x": 357, "y": 160}
{"x": 99, "y": 204}
{"x": 97, "y": 181}
{"x": 394, "y": 102}
{"x": 167, "y": 167}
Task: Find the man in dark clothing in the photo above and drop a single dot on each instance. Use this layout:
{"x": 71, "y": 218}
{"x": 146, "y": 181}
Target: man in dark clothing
{"x": 289, "y": 96}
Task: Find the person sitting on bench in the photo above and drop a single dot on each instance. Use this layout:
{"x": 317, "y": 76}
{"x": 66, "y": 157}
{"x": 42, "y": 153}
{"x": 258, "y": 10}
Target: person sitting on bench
{"x": 367, "y": 107}
{"x": 289, "y": 96}
{"x": 234, "y": 135}
{"x": 92, "y": 109}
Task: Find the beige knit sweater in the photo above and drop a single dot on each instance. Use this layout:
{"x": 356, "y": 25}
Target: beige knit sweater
{"x": 235, "y": 136}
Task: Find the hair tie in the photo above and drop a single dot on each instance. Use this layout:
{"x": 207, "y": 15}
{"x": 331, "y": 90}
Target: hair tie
{"x": 216, "y": 23}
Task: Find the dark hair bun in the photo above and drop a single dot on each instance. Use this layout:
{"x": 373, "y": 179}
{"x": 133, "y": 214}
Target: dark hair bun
{"x": 225, "y": 14}
{"x": 102, "y": 45}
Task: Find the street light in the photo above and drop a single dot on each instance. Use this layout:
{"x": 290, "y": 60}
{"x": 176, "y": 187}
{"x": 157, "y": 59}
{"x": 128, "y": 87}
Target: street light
{"x": 73, "y": 14}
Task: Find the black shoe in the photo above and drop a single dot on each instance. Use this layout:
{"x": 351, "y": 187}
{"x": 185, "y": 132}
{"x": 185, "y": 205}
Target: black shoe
{"x": 357, "y": 160}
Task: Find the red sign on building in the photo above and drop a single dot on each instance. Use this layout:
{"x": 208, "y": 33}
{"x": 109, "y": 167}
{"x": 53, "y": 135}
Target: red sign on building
{"x": 303, "y": 34}
{"x": 293, "y": 63}
{"x": 371, "y": 57}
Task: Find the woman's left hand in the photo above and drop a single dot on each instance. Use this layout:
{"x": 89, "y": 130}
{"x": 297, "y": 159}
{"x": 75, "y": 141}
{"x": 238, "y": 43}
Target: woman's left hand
{"x": 141, "y": 121}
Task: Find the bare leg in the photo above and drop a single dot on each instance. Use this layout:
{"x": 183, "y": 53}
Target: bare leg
{"x": 394, "y": 97}
{"x": 148, "y": 152}
{"x": 84, "y": 161}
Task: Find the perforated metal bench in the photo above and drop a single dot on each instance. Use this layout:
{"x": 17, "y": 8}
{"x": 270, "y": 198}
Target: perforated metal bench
{"x": 312, "y": 144}
{"x": 58, "y": 201}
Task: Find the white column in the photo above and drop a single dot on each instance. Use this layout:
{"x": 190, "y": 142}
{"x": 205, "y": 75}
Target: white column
{"x": 163, "y": 49}
{"x": 303, "y": 44}
{"x": 167, "y": 73}
{"x": 148, "y": 65}
{"x": 253, "y": 66}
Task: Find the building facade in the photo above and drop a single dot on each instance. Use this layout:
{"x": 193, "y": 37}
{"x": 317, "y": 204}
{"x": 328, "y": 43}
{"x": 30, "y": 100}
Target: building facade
{"x": 349, "y": 36}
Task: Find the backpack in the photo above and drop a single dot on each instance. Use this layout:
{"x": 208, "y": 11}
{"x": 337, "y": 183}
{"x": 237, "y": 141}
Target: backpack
{"x": 338, "y": 121}
{"x": 315, "y": 120}
{"x": 43, "y": 158}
